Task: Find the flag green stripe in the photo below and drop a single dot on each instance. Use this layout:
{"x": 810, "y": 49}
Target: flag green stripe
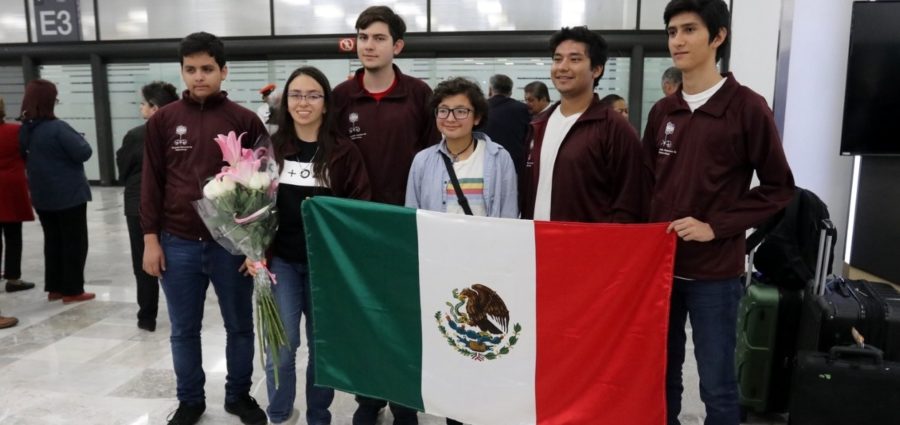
{"x": 364, "y": 277}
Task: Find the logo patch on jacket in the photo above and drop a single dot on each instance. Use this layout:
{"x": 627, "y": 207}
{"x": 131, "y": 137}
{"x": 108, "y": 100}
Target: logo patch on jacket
{"x": 355, "y": 132}
{"x": 180, "y": 144}
{"x": 666, "y": 147}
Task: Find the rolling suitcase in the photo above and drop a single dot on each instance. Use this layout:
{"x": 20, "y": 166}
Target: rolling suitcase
{"x": 766, "y": 344}
{"x": 831, "y": 309}
{"x": 846, "y": 386}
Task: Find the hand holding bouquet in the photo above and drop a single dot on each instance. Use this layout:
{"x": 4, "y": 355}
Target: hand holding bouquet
{"x": 238, "y": 208}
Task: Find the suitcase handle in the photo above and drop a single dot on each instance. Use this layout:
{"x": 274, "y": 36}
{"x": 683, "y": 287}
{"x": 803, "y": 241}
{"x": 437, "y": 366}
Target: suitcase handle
{"x": 853, "y": 351}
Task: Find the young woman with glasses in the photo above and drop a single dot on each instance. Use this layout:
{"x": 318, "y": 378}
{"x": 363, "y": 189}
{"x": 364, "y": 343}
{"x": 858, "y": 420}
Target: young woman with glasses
{"x": 314, "y": 161}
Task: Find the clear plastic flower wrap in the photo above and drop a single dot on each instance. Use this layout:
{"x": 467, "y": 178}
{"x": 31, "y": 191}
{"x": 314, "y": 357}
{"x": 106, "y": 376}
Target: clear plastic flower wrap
{"x": 238, "y": 208}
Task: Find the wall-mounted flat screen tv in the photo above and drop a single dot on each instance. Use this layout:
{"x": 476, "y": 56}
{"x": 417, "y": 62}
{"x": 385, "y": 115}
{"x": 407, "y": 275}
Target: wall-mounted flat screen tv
{"x": 872, "y": 101}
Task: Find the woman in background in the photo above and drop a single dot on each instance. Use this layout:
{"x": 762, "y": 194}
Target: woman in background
{"x": 15, "y": 205}
{"x": 129, "y": 159}
{"x": 314, "y": 161}
{"x": 54, "y": 158}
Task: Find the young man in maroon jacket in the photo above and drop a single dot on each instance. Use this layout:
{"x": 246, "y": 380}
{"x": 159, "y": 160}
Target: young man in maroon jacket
{"x": 180, "y": 153}
{"x": 703, "y": 144}
{"x": 585, "y": 164}
{"x": 385, "y": 113}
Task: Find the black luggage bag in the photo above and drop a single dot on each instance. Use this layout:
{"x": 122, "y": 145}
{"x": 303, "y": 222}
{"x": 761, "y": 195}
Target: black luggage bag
{"x": 831, "y": 310}
{"x": 846, "y": 386}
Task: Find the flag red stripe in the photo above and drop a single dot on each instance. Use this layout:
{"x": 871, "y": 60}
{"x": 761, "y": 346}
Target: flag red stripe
{"x": 602, "y": 313}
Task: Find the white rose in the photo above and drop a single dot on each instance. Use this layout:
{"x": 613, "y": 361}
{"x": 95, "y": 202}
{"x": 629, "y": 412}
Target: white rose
{"x": 213, "y": 189}
{"x": 226, "y": 185}
{"x": 259, "y": 181}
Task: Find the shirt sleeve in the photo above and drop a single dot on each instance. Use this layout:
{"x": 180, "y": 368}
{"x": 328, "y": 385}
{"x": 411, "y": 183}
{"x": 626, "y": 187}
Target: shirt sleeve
{"x": 776, "y": 182}
{"x": 350, "y": 178}
{"x": 506, "y": 197}
{"x": 413, "y": 182}
{"x": 628, "y": 168}
{"x": 153, "y": 176}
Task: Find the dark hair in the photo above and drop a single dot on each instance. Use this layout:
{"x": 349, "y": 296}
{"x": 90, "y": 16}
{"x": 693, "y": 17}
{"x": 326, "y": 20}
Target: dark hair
{"x": 713, "y": 13}
{"x": 382, "y": 14}
{"x": 459, "y": 85}
{"x": 672, "y": 75}
{"x": 595, "y": 46}
{"x": 159, "y": 93}
{"x": 538, "y": 90}
{"x": 39, "y": 100}
{"x": 286, "y": 134}
{"x": 610, "y": 99}
{"x": 202, "y": 42}
{"x": 501, "y": 84}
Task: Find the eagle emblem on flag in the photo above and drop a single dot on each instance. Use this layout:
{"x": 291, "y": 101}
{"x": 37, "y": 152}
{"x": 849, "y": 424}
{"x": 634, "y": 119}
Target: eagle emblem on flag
{"x": 481, "y": 330}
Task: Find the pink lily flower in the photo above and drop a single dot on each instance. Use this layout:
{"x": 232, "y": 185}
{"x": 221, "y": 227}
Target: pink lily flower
{"x": 231, "y": 147}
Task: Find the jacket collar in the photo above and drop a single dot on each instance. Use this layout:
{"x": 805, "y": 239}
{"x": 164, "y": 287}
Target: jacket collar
{"x": 399, "y": 91}
{"x": 595, "y": 111}
{"x": 214, "y": 99}
{"x": 715, "y": 106}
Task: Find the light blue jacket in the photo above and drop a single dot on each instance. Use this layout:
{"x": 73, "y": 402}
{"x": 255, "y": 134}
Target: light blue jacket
{"x": 428, "y": 180}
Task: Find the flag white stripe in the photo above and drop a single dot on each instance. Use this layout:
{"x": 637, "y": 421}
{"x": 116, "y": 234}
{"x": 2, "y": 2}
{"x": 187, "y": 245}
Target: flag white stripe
{"x": 500, "y": 254}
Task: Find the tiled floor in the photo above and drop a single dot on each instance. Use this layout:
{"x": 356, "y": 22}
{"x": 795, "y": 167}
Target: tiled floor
{"x": 88, "y": 363}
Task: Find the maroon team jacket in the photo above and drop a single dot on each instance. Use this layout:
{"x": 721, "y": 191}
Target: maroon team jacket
{"x": 703, "y": 163}
{"x": 598, "y": 175}
{"x": 388, "y": 132}
{"x": 180, "y": 154}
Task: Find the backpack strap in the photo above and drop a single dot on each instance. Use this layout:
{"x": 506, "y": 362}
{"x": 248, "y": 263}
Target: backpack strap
{"x": 460, "y": 197}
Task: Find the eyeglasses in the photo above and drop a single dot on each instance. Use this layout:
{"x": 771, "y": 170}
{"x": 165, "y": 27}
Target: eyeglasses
{"x": 458, "y": 113}
{"x": 295, "y": 96}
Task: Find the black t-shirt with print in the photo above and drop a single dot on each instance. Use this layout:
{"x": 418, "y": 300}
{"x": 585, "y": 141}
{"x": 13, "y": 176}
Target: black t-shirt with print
{"x": 290, "y": 240}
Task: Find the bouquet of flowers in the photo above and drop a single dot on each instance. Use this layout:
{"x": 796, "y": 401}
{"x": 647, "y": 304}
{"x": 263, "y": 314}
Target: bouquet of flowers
{"x": 238, "y": 208}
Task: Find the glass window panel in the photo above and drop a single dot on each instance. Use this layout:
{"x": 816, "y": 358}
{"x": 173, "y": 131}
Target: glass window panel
{"x": 653, "y": 71}
{"x": 13, "y": 28}
{"x": 509, "y": 15}
{"x": 76, "y": 105}
{"x": 328, "y": 17}
{"x": 141, "y": 19}
{"x": 88, "y": 23}
{"x": 12, "y": 87}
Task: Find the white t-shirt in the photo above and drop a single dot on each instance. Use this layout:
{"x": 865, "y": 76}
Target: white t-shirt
{"x": 557, "y": 128}
{"x": 470, "y": 173}
{"x": 695, "y": 101}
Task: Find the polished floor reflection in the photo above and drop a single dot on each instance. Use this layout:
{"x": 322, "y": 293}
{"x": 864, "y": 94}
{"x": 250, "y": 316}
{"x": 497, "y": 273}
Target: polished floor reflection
{"x": 88, "y": 363}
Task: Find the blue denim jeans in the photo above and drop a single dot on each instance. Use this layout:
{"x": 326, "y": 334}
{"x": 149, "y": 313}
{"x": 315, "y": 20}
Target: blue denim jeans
{"x": 712, "y": 307}
{"x": 293, "y": 300}
{"x": 190, "y": 266}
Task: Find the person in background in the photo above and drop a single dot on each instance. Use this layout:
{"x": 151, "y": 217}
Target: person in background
{"x": 180, "y": 154}
{"x": 385, "y": 113}
{"x": 537, "y": 97}
{"x": 54, "y": 158}
{"x": 617, "y": 103}
{"x": 671, "y": 80}
{"x": 703, "y": 145}
{"x": 484, "y": 169}
{"x": 268, "y": 111}
{"x": 507, "y": 124}
{"x": 129, "y": 159}
{"x": 314, "y": 161}
{"x": 15, "y": 204}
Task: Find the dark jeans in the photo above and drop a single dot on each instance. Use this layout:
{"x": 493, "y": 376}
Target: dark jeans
{"x": 190, "y": 266}
{"x": 712, "y": 307}
{"x": 293, "y": 300}
{"x": 147, "y": 286}
{"x": 367, "y": 412}
{"x": 11, "y": 233}
{"x": 65, "y": 249}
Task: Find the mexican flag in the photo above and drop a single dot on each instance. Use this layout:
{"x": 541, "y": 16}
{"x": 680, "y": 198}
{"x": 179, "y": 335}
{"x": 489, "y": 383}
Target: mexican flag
{"x": 490, "y": 321}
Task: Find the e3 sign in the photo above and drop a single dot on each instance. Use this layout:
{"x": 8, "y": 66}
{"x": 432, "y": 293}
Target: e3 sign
{"x": 57, "y": 20}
